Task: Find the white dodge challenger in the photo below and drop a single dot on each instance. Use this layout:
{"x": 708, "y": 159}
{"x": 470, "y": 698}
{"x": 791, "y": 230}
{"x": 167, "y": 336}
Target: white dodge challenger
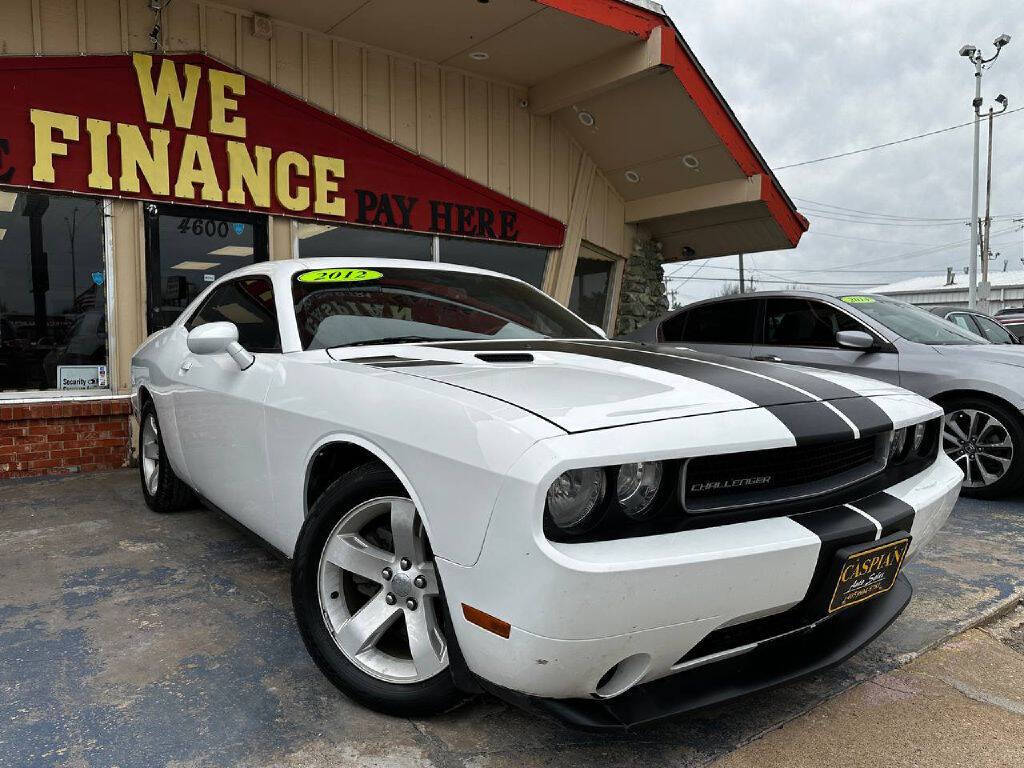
{"x": 478, "y": 491}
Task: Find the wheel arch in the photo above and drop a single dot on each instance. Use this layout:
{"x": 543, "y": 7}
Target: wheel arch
{"x": 943, "y": 398}
{"x": 336, "y": 454}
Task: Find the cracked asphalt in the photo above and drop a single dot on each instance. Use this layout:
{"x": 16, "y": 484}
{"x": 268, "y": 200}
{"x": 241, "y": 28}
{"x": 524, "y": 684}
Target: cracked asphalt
{"x": 134, "y": 639}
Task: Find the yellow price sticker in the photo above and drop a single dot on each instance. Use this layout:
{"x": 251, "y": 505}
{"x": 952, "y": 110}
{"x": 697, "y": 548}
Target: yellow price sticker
{"x": 858, "y": 300}
{"x": 339, "y": 276}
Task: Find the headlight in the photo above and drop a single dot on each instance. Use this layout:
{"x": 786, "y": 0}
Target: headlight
{"x": 575, "y": 497}
{"x": 898, "y": 445}
{"x": 637, "y": 487}
{"x": 919, "y": 432}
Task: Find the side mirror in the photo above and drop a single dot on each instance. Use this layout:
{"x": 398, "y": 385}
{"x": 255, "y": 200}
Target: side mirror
{"x": 599, "y": 330}
{"x": 855, "y": 340}
{"x": 214, "y": 338}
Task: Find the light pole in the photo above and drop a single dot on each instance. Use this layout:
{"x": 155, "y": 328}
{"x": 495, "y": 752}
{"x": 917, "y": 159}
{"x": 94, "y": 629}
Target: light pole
{"x": 986, "y": 246}
{"x": 972, "y": 54}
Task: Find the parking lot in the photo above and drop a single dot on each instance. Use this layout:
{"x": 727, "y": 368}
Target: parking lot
{"x": 133, "y": 639}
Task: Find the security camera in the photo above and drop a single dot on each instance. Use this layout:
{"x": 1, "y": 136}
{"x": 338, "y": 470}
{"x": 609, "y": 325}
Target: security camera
{"x": 1002, "y": 40}
{"x": 968, "y": 51}
{"x": 1002, "y": 99}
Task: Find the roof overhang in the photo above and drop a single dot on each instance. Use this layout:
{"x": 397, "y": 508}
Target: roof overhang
{"x": 662, "y": 134}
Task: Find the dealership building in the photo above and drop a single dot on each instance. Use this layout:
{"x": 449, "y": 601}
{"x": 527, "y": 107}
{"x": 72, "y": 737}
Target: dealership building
{"x": 148, "y": 147}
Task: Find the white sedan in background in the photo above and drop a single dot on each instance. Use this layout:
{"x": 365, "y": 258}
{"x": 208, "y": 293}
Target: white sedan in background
{"x": 479, "y": 491}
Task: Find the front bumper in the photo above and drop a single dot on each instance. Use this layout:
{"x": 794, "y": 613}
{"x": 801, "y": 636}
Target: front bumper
{"x": 773, "y": 663}
{"x": 655, "y": 611}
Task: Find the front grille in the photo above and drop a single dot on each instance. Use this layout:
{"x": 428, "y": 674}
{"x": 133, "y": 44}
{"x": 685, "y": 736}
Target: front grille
{"x": 729, "y": 481}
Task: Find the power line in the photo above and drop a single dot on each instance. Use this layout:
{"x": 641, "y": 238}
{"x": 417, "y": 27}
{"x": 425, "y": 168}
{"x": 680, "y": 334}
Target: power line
{"x": 783, "y": 281}
{"x": 875, "y": 214}
{"x": 886, "y": 144}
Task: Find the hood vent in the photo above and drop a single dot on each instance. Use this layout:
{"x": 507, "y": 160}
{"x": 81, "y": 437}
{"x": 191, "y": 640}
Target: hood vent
{"x": 505, "y": 357}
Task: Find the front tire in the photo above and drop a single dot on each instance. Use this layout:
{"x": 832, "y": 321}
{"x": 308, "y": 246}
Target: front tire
{"x": 161, "y": 488}
{"x": 986, "y": 440}
{"x": 367, "y": 597}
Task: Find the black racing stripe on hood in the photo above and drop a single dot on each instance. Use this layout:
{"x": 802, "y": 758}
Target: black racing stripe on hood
{"x": 806, "y": 418}
{"x": 819, "y": 387}
{"x": 865, "y": 413}
{"x": 892, "y": 514}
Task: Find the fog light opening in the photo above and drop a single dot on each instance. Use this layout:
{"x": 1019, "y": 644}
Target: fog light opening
{"x": 622, "y": 676}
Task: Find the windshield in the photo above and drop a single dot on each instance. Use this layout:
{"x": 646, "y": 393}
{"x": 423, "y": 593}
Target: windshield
{"x": 343, "y": 306}
{"x": 910, "y": 322}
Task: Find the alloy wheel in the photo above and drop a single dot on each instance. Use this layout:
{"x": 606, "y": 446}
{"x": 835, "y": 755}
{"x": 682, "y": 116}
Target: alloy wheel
{"x": 378, "y": 591}
{"x": 150, "y": 454}
{"x": 980, "y": 443}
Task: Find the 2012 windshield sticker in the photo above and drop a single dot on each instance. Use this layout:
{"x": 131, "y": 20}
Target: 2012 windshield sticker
{"x": 339, "y": 276}
{"x": 858, "y": 300}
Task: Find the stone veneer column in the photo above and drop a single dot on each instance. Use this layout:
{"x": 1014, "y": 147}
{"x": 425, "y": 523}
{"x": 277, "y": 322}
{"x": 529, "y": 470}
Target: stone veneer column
{"x": 642, "y": 297}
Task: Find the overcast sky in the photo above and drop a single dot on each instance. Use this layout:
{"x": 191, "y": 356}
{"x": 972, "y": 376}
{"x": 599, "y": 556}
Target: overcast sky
{"x": 809, "y": 79}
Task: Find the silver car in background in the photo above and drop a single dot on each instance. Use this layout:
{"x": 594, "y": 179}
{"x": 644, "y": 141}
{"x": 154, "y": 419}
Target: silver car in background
{"x": 980, "y": 385}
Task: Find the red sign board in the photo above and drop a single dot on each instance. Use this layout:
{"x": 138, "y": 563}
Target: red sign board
{"x": 186, "y": 129}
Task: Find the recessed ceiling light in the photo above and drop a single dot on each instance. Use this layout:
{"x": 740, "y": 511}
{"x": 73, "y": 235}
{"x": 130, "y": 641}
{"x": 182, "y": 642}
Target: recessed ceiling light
{"x": 197, "y": 266}
{"x": 632, "y": 177}
{"x": 312, "y": 230}
{"x": 587, "y": 118}
{"x": 479, "y": 56}
{"x": 691, "y": 162}
{"x": 232, "y": 250}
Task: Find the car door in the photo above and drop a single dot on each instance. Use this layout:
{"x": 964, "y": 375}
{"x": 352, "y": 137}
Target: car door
{"x": 219, "y": 408}
{"x": 722, "y": 327}
{"x": 803, "y": 331}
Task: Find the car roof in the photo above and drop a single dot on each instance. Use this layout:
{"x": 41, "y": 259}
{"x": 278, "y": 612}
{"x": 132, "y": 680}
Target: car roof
{"x": 787, "y": 294}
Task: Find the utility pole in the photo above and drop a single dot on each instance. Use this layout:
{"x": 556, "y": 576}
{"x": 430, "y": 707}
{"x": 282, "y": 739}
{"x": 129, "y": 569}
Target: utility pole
{"x": 742, "y": 289}
{"x": 972, "y": 54}
{"x": 986, "y": 249}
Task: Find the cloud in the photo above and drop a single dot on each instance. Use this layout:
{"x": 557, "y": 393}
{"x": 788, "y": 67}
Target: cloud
{"x": 809, "y": 79}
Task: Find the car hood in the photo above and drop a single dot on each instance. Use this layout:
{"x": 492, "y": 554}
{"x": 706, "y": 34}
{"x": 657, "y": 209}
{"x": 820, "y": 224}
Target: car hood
{"x": 586, "y": 385}
{"x": 1005, "y": 354}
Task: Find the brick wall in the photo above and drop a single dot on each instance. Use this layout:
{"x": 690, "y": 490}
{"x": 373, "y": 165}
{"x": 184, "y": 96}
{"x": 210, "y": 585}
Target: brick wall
{"x": 52, "y": 438}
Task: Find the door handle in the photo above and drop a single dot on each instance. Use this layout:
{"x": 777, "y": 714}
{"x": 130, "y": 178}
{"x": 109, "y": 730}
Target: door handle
{"x": 185, "y": 366}
{"x": 768, "y": 359}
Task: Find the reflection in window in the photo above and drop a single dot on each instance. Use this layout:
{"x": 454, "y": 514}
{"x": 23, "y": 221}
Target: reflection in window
{"x": 53, "y": 321}
{"x": 525, "y": 262}
{"x": 591, "y": 285}
{"x": 189, "y": 248}
{"x": 323, "y": 240}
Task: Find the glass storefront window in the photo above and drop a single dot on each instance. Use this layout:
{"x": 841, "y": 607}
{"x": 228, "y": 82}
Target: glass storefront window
{"x": 525, "y": 262}
{"x": 53, "y": 307}
{"x": 319, "y": 240}
{"x": 591, "y": 286}
{"x": 189, "y": 248}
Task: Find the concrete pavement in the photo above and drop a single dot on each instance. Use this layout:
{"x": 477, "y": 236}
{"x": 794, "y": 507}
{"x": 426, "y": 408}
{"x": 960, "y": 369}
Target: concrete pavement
{"x": 134, "y": 639}
{"x": 959, "y": 705}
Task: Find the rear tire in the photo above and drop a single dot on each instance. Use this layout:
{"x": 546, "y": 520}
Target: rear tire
{"x": 377, "y": 637}
{"x": 986, "y": 440}
{"x": 161, "y": 488}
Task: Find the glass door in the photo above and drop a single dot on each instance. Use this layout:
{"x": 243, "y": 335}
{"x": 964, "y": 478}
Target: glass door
{"x": 189, "y": 248}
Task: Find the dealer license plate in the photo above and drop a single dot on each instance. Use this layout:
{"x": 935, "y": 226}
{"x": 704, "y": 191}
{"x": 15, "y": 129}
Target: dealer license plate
{"x": 869, "y": 573}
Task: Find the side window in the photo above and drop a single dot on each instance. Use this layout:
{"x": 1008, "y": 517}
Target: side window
{"x": 959, "y": 318}
{"x": 249, "y": 304}
{"x": 993, "y": 331}
{"x": 803, "y": 323}
{"x": 724, "y": 322}
{"x": 672, "y": 328}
